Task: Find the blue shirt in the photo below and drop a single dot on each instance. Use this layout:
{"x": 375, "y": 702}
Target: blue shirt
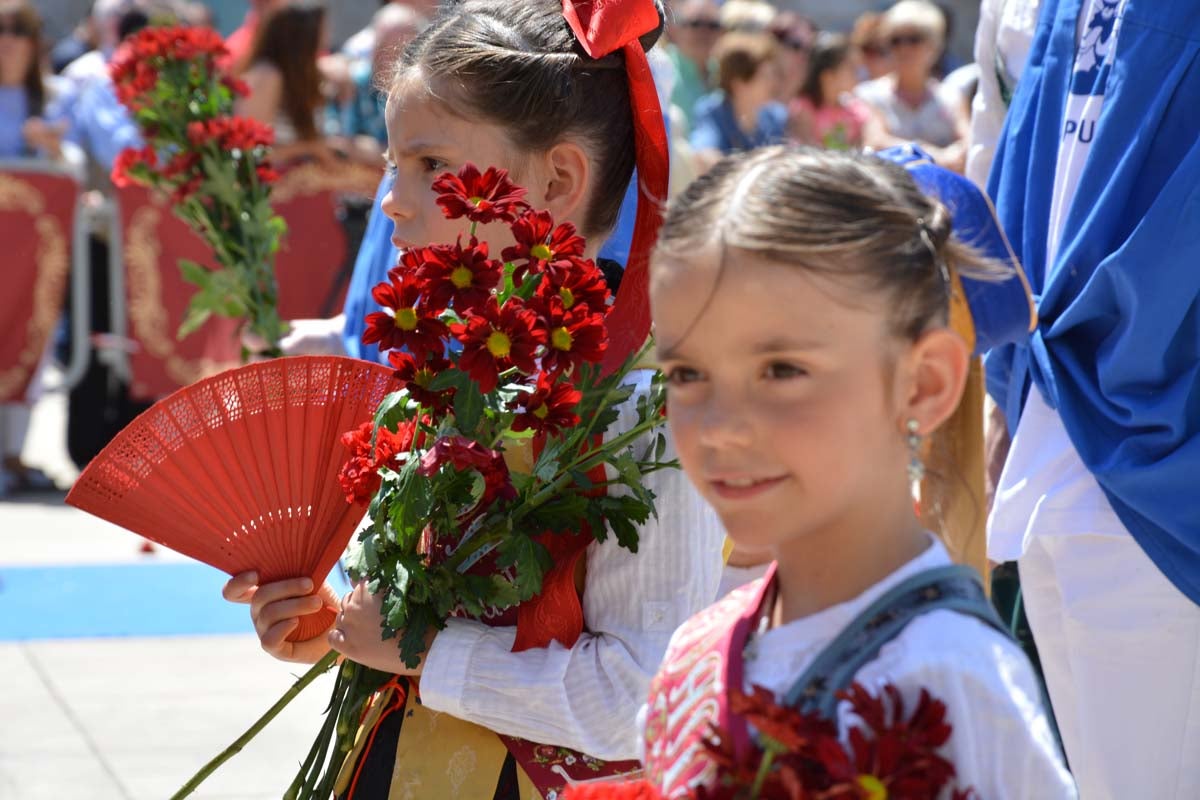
{"x": 101, "y": 125}
{"x": 715, "y": 127}
{"x": 1117, "y": 348}
{"x": 14, "y": 111}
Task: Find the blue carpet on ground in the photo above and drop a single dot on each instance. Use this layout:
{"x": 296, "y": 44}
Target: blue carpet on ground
{"x": 104, "y": 600}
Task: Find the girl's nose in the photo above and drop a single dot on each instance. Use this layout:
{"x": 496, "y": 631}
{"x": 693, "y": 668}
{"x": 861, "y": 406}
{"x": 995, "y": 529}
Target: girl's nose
{"x": 724, "y": 424}
{"x": 394, "y": 205}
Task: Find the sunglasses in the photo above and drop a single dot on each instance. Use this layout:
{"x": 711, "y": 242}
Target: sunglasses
{"x": 701, "y": 24}
{"x": 792, "y": 42}
{"x": 907, "y": 40}
{"x": 15, "y": 27}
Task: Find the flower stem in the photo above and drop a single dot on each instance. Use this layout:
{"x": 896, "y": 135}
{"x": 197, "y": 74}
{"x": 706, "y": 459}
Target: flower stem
{"x": 764, "y": 768}
{"x": 229, "y": 752}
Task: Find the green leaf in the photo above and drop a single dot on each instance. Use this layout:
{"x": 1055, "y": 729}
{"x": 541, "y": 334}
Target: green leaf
{"x": 448, "y": 379}
{"x": 529, "y": 561}
{"x": 391, "y": 411}
{"x": 468, "y": 408}
{"x": 195, "y": 274}
{"x": 193, "y": 319}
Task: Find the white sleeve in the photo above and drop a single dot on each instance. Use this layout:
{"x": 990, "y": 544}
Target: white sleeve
{"x": 988, "y": 107}
{"x": 1001, "y": 744}
{"x": 587, "y": 697}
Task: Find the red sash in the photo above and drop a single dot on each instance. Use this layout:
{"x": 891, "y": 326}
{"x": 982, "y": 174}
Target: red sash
{"x": 690, "y": 692}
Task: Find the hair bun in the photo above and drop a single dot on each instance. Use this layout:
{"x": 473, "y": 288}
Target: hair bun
{"x": 939, "y": 225}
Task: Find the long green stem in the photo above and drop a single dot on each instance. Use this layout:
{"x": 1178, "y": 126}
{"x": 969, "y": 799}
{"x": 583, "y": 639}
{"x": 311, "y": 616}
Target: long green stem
{"x": 232, "y": 750}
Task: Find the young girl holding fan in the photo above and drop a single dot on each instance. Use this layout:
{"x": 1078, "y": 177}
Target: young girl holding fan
{"x": 560, "y": 95}
{"x": 803, "y": 304}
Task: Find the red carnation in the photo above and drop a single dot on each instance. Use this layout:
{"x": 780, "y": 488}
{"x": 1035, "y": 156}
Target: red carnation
{"x": 359, "y": 477}
{"x": 417, "y": 374}
{"x": 462, "y": 277}
{"x": 540, "y": 246}
{"x": 480, "y": 198}
{"x": 581, "y": 284}
{"x": 495, "y": 339}
{"x": 129, "y": 160}
{"x": 549, "y": 409}
{"x": 409, "y": 322}
{"x": 573, "y": 337}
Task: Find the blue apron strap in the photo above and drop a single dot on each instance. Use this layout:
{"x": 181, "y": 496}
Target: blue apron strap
{"x": 953, "y": 587}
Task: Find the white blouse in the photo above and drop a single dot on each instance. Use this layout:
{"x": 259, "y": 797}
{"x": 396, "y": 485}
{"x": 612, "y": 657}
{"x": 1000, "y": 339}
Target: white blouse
{"x": 587, "y": 697}
{"x": 1001, "y": 745}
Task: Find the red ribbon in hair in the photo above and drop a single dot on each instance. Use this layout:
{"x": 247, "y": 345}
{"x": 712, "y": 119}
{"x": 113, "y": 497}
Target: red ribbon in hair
{"x": 604, "y": 27}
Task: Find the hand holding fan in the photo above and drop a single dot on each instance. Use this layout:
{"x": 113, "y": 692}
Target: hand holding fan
{"x": 240, "y": 470}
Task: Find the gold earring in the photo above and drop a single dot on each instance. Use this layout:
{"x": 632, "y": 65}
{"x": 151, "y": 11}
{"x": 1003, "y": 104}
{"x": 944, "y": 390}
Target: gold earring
{"x": 916, "y": 468}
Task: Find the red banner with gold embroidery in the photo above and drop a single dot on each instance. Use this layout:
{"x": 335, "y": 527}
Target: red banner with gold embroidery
{"x": 37, "y": 215}
{"x": 308, "y": 269}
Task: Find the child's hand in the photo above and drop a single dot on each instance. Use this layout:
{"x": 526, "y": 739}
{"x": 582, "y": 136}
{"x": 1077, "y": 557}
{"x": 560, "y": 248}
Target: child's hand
{"x": 276, "y": 609}
{"x": 356, "y": 635}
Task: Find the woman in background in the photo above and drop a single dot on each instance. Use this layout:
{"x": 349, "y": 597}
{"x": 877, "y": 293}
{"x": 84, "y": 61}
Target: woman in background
{"x": 907, "y": 103}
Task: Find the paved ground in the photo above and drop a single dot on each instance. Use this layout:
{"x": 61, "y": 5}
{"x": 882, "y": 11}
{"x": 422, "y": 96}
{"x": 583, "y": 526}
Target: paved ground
{"x": 118, "y": 716}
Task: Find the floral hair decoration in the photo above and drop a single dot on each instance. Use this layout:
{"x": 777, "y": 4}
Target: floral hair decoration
{"x": 604, "y": 27}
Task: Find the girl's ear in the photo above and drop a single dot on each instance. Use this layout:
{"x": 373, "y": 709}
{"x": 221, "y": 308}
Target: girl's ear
{"x": 565, "y": 182}
{"x": 933, "y": 376}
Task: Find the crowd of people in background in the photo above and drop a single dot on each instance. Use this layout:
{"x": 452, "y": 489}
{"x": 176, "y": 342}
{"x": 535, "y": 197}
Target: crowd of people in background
{"x": 732, "y": 76}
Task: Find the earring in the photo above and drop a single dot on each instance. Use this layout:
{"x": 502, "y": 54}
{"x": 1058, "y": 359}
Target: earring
{"x": 916, "y": 468}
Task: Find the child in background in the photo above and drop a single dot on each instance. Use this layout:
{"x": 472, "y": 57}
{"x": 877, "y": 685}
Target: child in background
{"x": 825, "y": 113}
{"x": 802, "y": 302}
{"x": 508, "y": 85}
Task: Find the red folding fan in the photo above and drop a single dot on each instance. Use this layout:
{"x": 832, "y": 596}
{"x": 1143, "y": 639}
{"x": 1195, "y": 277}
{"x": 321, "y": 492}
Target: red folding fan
{"x": 240, "y": 470}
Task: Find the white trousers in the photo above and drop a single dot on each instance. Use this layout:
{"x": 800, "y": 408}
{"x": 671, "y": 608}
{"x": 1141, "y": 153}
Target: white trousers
{"x": 1120, "y": 646}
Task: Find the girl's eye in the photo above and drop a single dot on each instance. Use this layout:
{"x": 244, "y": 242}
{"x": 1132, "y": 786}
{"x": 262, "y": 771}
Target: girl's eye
{"x": 781, "y": 371}
{"x": 431, "y": 164}
{"x": 678, "y": 376}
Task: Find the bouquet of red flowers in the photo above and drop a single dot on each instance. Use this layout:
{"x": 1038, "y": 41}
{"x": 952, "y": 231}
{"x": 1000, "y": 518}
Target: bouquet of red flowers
{"x": 213, "y": 165}
{"x": 494, "y": 464}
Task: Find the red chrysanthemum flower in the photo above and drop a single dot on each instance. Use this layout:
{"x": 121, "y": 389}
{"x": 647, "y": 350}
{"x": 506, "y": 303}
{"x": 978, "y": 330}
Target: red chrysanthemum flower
{"x": 581, "y": 284}
{"x": 479, "y": 197}
{"x": 540, "y": 246}
{"x": 573, "y": 337}
{"x": 128, "y": 160}
{"x": 409, "y": 322}
{"x": 457, "y": 276}
{"x": 463, "y": 454}
{"x": 417, "y": 374}
{"x": 495, "y": 339}
{"x": 550, "y": 408}
{"x": 359, "y": 476}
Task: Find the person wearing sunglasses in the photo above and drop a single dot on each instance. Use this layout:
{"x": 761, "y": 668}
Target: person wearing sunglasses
{"x": 794, "y": 35}
{"x": 692, "y": 32}
{"x": 908, "y": 104}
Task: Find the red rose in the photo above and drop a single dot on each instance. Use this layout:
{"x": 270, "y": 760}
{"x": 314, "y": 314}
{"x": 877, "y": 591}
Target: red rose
{"x": 457, "y": 276}
{"x": 573, "y": 337}
{"x": 495, "y": 339}
{"x": 480, "y": 198}
{"x": 549, "y": 409}
{"x": 409, "y": 322}
{"x": 540, "y": 246}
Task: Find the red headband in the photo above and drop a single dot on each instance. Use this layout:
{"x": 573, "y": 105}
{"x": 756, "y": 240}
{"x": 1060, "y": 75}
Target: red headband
{"x": 603, "y": 27}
